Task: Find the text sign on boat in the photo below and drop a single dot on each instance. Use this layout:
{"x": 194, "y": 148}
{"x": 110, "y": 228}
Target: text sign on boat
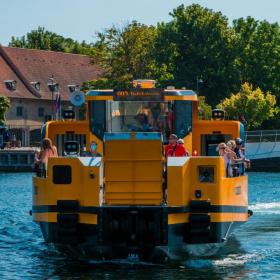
{"x": 141, "y": 94}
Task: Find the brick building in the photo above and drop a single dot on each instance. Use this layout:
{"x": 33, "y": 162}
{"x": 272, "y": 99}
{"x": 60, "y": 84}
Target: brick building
{"x": 24, "y": 78}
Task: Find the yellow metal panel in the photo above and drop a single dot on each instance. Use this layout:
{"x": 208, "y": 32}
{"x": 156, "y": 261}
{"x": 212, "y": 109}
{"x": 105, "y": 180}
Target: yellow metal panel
{"x": 88, "y": 218}
{"x": 178, "y": 180}
{"x": 45, "y": 217}
{"x": 204, "y": 127}
{"x": 183, "y": 181}
{"x": 82, "y": 188}
{"x": 92, "y": 98}
{"x": 178, "y": 218}
{"x": 181, "y": 97}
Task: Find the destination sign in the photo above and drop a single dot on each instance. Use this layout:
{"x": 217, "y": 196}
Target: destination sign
{"x": 138, "y": 94}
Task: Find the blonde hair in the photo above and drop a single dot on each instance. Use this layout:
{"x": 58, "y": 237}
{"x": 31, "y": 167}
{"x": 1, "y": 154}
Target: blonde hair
{"x": 221, "y": 145}
{"x": 231, "y": 144}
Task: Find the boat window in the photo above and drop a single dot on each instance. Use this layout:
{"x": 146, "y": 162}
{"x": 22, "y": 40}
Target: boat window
{"x": 183, "y": 118}
{"x": 140, "y": 116}
{"x": 97, "y": 117}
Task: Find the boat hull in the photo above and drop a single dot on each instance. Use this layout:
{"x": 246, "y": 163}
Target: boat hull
{"x": 84, "y": 243}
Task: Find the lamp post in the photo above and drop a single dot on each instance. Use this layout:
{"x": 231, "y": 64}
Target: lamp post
{"x": 198, "y": 81}
{"x": 53, "y": 87}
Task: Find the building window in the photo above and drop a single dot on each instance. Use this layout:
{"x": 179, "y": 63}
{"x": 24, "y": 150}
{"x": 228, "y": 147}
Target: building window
{"x": 19, "y": 111}
{"x": 11, "y": 84}
{"x": 41, "y": 112}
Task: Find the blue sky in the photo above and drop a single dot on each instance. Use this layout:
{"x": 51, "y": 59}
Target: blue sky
{"x": 81, "y": 19}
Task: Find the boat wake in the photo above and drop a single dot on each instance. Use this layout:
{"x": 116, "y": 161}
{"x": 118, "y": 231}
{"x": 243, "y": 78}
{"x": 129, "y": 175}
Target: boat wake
{"x": 266, "y": 208}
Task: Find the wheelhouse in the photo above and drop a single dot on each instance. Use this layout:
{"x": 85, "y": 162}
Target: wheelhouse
{"x": 141, "y": 110}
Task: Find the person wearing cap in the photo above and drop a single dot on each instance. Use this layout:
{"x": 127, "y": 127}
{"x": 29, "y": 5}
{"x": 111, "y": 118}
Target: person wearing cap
{"x": 173, "y": 149}
{"x": 182, "y": 142}
{"x": 240, "y": 156}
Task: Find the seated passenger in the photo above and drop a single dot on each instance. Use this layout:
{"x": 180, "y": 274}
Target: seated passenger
{"x": 173, "y": 149}
{"x": 93, "y": 151}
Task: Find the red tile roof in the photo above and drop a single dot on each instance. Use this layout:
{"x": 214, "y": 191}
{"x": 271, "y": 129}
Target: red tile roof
{"x": 27, "y": 65}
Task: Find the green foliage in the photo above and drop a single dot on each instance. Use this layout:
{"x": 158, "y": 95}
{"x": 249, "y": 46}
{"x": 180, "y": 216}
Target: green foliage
{"x": 42, "y": 39}
{"x": 127, "y": 54}
{"x": 255, "y": 105}
{"x": 259, "y": 53}
{"x": 198, "y": 43}
{"x": 4, "y": 106}
{"x": 204, "y": 109}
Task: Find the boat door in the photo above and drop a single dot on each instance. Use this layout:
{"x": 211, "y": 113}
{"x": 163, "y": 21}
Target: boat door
{"x": 209, "y": 143}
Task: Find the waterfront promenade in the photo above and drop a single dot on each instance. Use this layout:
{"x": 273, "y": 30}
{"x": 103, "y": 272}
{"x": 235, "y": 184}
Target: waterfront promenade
{"x": 17, "y": 159}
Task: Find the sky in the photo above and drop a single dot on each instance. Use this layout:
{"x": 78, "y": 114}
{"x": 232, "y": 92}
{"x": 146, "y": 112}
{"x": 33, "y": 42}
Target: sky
{"x": 81, "y": 19}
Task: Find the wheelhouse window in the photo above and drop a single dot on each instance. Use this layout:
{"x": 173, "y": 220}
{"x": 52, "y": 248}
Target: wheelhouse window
{"x": 183, "y": 118}
{"x": 141, "y": 116}
{"x": 97, "y": 117}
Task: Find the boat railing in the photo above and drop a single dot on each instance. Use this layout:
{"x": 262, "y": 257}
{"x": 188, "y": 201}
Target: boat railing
{"x": 260, "y": 136}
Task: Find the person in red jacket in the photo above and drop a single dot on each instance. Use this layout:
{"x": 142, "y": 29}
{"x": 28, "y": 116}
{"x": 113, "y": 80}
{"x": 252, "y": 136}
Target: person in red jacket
{"x": 174, "y": 149}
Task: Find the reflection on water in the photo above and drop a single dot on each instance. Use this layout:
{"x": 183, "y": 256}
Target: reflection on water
{"x": 253, "y": 252}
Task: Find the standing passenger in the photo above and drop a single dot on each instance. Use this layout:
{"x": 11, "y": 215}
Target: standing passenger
{"x": 173, "y": 149}
{"x": 48, "y": 150}
{"x": 240, "y": 156}
{"x": 227, "y": 154}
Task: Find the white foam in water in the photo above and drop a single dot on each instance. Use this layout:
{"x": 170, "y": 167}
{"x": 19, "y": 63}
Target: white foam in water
{"x": 269, "y": 208}
{"x": 236, "y": 260}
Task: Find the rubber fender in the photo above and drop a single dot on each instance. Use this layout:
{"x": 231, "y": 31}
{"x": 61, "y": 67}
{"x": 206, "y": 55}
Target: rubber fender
{"x": 67, "y": 206}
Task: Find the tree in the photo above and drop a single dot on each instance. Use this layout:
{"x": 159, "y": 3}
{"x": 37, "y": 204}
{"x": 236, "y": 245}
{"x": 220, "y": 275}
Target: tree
{"x": 128, "y": 53}
{"x": 42, "y": 39}
{"x": 204, "y": 109}
{"x": 259, "y": 53}
{"x": 4, "y": 106}
{"x": 198, "y": 43}
{"x": 255, "y": 105}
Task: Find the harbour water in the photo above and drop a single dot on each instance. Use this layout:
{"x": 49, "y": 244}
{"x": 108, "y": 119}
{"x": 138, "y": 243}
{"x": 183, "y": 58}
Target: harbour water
{"x": 253, "y": 252}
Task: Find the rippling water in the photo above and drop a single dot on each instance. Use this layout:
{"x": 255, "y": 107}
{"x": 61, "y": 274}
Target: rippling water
{"x": 253, "y": 252}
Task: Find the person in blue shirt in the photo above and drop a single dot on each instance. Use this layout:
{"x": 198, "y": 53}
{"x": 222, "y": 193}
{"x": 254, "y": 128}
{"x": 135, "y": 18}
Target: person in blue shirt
{"x": 93, "y": 151}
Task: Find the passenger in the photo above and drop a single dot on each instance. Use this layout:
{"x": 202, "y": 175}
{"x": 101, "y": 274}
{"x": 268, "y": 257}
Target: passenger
{"x": 182, "y": 142}
{"x": 173, "y": 149}
{"x": 233, "y": 170}
{"x": 226, "y": 153}
{"x": 48, "y": 150}
{"x": 247, "y": 162}
{"x": 240, "y": 156}
{"x": 93, "y": 151}
{"x": 37, "y": 165}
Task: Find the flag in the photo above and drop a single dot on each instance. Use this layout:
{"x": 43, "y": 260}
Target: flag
{"x": 57, "y": 103}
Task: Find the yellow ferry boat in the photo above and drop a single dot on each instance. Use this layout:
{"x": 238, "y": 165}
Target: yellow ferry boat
{"x": 114, "y": 205}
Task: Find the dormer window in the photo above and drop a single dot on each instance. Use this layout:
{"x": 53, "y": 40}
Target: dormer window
{"x": 36, "y": 85}
{"x": 73, "y": 88}
{"x": 53, "y": 87}
{"x": 11, "y": 84}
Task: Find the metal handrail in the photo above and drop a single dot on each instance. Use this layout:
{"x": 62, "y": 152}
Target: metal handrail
{"x": 260, "y": 136}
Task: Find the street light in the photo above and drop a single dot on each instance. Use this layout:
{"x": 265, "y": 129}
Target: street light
{"x": 198, "y": 81}
{"x": 53, "y": 87}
